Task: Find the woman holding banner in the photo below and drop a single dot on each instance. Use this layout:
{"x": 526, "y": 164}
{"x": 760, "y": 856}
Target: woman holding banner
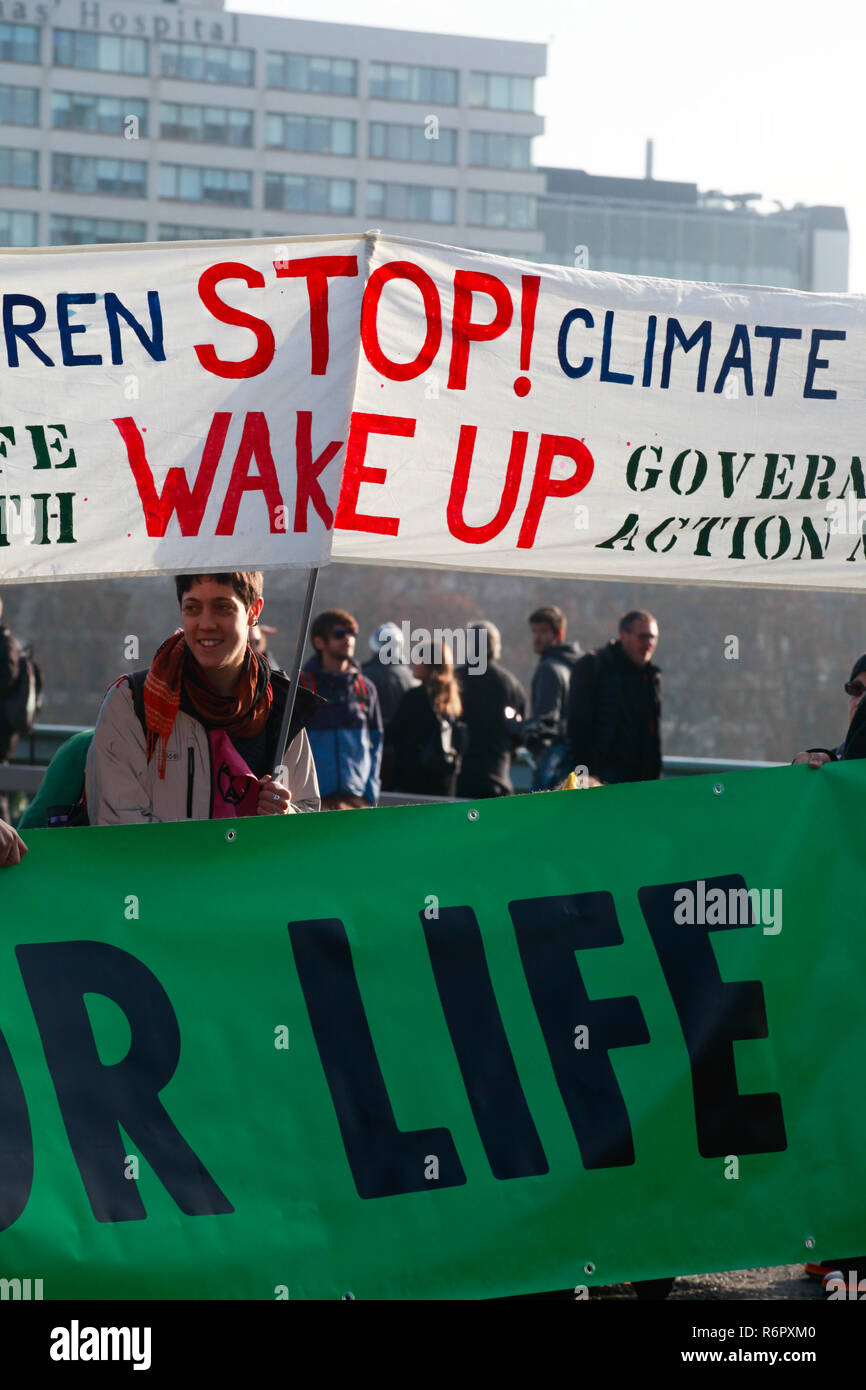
{"x": 194, "y": 737}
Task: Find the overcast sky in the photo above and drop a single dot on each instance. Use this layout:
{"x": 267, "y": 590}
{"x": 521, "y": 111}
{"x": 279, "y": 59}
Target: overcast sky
{"x": 748, "y": 96}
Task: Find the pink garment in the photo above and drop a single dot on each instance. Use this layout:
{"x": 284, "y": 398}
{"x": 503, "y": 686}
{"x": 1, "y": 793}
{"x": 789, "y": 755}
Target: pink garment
{"x": 235, "y": 790}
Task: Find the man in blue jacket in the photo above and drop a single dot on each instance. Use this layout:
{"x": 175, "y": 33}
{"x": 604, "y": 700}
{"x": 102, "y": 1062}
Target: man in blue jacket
{"x": 346, "y": 735}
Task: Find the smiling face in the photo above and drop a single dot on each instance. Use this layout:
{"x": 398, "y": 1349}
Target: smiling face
{"x": 216, "y": 628}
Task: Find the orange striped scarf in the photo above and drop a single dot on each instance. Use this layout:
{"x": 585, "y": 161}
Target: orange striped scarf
{"x": 174, "y": 669}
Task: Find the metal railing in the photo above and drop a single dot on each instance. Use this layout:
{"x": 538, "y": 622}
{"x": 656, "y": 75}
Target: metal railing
{"x": 35, "y": 751}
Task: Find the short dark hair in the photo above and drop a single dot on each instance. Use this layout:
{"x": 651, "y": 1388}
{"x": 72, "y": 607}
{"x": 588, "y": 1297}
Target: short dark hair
{"x": 331, "y": 618}
{"x": 247, "y": 584}
{"x": 553, "y": 616}
{"x": 636, "y": 615}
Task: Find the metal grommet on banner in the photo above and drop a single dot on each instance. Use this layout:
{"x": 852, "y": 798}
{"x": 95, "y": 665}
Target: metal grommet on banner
{"x": 349, "y": 1295}
{"x": 472, "y": 815}
{"x": 718, "y": 788}
{"x": 810, "y": 1242}
{"x": 589, "y": 1267}
{"x": 230, "y": 835}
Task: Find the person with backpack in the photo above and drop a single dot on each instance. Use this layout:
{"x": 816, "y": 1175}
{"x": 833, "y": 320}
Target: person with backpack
{"x": 428, "y": 736}
{"x": 347, "y": 734}
{"x": 20, "y": 698}
{"x": 494, "y": 705}
{"x": 195, "y": 736}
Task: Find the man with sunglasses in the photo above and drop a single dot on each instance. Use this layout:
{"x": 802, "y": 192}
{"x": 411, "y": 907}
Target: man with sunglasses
{"x": 854, "y": 743}
{"x": 346, "y": 735}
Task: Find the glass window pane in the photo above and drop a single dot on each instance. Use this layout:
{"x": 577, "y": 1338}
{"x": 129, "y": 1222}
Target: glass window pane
{"x": 296, "y": 73}
{"x": 478, "y": 89}
{"x": 399, "y": 82}
{"x": 274, "y": 70}
{"x": 498, "y": 91}
{"x": 442, "y": 205}
{"x": 522, "y": 93}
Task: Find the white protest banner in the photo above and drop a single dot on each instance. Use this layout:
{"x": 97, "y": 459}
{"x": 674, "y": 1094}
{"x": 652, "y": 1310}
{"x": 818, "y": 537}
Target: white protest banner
{"x": 193, "y": 406}
{"x": 175, "y": 407}
{"x": 542, "y": 420}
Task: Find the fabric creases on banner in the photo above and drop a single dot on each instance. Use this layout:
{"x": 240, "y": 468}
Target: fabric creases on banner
{"x": 245, "y": 404}
{"x": 175, "y": 407}
{"x": 633, "y": 1050}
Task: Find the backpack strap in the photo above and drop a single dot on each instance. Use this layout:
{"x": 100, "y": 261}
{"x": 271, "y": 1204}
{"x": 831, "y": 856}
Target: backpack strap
{"x": 363, "y": 695}
{"x": 136, "y": 685}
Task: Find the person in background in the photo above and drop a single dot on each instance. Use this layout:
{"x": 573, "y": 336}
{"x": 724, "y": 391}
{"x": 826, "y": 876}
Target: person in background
{"x": 10, "y": 668}
{"x": 546, "y": 730}
{"x": 346, "y": 736}
{"x": 494, "y": 706}
{"x": 428, "y": 736}
{"x": 392, "y": 676}
{"x": 12, "y": 847}
{"x": 259, "y": 635}
{"x": 854, "y": 741}
{"x": 852, "y": 746}
{"x": 195, "y": 736}
{"x": 614, "y": 705}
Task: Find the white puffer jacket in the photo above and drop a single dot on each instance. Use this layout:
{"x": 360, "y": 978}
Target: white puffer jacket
{"x": 123, "y": 788}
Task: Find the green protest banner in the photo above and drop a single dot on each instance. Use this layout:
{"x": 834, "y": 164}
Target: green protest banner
{"x": 438, "y": 1052}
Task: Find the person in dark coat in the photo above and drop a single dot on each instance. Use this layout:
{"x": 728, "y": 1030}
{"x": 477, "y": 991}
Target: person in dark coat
{"x": 546, "y": 730}
{"x": 854, "y": 743}
{"x": 427, "y": 734}
{"x": 494, "y": 707}
{"x": 614, "y": 706}
{"x": 389, "y": 671}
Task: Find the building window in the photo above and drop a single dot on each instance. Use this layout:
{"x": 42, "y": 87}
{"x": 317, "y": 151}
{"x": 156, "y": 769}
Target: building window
{"x": 78, "y": 173}
{"x": 487, "y": 209}
{"x": 410, "y": 202}
{"x": 196, "y": 184}
{"x": 19, "y": 43}
{"x": 296, "y": 72}
{"x": 100, "y": 52}
{"x": 310, "y": 134}
{"x": 94, "y": 231}
{"x": 99, "y": 115}
{"x": 19, "y": 105}
{"x": 490, "y": 150}
{"x": 501, "y": 91}
{"x": 410, "y": 142}
{"x": 206, "y": 125}
{"x": 178, "y": 231}
{"x": 207, "y": 62}
{"x": 300, "y": 193}
{"x": 17, "y": 228}
{"x": 19, "y": 168}
{"x": 404, "y": 82}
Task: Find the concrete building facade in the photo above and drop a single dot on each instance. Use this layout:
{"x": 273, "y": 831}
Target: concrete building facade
{"x": 652, "y": 227}
{"x": 140, "y": 121}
